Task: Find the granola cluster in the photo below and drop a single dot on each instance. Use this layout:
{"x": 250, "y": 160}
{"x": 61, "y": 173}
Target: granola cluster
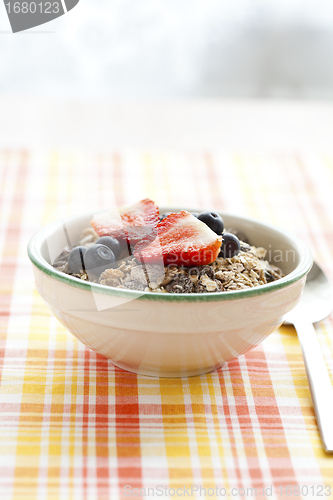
{"x": 248, "y": 269}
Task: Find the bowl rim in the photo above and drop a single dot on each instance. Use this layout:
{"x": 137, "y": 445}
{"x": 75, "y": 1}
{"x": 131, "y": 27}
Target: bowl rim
{"x": 302, "y": 269}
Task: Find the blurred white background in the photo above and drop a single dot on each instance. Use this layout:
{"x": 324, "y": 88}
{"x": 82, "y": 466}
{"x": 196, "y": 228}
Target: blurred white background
{"x": 174, "y": 48}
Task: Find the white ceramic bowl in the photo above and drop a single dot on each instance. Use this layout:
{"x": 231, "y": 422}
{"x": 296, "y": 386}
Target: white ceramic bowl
{"x": 170, "y": 335}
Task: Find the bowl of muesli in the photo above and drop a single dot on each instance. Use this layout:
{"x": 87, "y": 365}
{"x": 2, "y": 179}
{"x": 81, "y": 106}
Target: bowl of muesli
{"x": 169, "y": 292}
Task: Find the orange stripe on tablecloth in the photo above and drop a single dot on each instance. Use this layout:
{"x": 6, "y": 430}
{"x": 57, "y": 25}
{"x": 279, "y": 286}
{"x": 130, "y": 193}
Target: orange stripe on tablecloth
{"x": 102, "y": 425}
{"x": 266, "y": 404}
{"x": 127, "y": 419}
{"x": 11, "y": 239}
{"x": 128, "y": 440}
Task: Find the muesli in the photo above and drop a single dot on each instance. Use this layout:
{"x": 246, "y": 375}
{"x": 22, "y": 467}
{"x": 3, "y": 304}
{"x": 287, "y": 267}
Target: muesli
{"x": 197, "y": 254}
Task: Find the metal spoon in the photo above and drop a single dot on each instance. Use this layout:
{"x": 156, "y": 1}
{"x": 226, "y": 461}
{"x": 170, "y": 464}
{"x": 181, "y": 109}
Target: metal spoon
{"x": 316, "y": 304}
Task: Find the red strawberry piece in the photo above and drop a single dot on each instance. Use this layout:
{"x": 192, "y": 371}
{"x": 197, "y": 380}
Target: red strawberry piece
{"x": 181, "y": 239}
{"x": 133, "y": 222}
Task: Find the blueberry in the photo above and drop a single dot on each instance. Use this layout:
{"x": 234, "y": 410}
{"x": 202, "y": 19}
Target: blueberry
{"x": 98, "y": 257}
{"x": 112, "y": 243}
{"x": 230, "y": 246}
{"x": 241, "y": 236}
{"x": 75, "y": 260}
{"x": 212, "y": 220}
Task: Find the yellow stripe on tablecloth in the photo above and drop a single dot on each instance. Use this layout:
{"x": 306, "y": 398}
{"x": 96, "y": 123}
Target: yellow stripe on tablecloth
{"x": 197, "y": 421}
{"x": 176, "y": 442}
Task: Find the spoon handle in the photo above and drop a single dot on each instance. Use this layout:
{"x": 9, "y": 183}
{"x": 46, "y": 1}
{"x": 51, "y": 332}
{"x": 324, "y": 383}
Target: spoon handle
{"x": 319, "y": 381}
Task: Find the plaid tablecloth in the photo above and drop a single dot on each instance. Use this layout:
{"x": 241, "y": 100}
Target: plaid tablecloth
{"x": 75, "y": 427}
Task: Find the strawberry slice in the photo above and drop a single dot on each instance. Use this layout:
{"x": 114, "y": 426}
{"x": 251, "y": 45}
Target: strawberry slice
{"x": 133, "y": 222}
{"x": 181, "y": 239}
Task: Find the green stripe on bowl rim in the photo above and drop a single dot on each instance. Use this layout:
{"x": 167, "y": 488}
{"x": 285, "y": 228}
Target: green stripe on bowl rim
{"x": 301, "y": 270}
